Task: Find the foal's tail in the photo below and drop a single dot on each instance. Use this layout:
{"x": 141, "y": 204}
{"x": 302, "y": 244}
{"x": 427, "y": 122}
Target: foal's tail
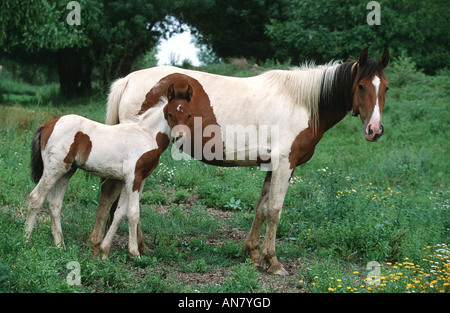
{"x": 114, "y": 97}
{"x": 37, "y": 164}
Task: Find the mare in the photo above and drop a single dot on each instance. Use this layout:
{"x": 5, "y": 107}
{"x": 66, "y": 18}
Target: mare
{"x": 300, "y": 104}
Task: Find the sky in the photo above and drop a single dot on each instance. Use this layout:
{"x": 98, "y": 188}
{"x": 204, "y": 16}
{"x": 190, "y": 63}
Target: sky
{"x": 181, "y": 46}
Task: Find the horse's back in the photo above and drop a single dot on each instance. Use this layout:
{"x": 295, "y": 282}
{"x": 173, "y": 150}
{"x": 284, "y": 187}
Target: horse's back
{"x": 217, "y": 87}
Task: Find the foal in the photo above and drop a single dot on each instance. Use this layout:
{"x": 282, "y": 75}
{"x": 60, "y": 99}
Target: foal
{"x": 124, "y": 152}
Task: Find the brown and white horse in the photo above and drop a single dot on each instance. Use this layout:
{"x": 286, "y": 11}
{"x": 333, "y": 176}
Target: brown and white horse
{"x": 300, "y": 104}
{"x": 127, "y": 153}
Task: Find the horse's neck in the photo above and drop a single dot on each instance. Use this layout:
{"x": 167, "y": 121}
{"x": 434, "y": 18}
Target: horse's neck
{"x": 336, "y": 101}
{"x": 153, "y": 120}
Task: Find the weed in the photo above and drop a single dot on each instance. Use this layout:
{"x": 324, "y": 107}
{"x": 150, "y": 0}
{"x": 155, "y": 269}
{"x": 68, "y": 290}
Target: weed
{"x": 234, "y": 204}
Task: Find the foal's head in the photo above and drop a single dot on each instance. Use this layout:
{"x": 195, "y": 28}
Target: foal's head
{"x": 369, "y": 92}
{"x": 177, "y": 111}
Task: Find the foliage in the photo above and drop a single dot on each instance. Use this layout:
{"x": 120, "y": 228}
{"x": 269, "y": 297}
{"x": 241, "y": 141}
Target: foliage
{"x": 324, "y": 30}
{"x": 39, "y": 26}
{"x": 111, "y": 35}
{"x": 233, "y": 28}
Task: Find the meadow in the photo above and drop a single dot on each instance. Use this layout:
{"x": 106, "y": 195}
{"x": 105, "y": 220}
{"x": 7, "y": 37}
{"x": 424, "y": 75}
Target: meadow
{"x": 358, "y": 217}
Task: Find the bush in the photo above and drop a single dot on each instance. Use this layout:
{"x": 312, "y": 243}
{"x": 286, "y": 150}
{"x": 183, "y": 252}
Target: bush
{"x": 403, "y": 70}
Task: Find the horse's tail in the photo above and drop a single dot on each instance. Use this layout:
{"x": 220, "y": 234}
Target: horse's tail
{"x": 114, "y": 97}
{"x": 37, "y": 164}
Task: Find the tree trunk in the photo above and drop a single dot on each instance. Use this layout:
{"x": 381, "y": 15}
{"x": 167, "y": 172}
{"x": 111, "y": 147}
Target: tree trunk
{"x": 74, "y": 70}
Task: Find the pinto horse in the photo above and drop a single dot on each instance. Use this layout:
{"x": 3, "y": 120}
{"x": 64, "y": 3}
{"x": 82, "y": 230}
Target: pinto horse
{"x": 127, "y": 153}
{"x": 302, "y": 104}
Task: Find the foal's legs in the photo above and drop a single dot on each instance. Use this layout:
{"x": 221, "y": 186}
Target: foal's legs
{"x": 37, "y": 198}
{"x": 55, "y": 199}
{"x": 119, "y": 216}
{"x": 133, "y": 222}
{"x": 109, "y": 192}
{"x": 140, "y": 236}
{"x": 252, "y": 244}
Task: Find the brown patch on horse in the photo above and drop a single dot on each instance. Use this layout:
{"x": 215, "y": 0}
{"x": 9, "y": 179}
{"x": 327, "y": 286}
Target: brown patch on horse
{"x": 149, "y": 160}
{"x": 302, "y": 149}
{"x": 199, "y": 106}
{"x": 47, "y": 132}
{"x": 79, "y": 150}
{"x": 160, "y": 89}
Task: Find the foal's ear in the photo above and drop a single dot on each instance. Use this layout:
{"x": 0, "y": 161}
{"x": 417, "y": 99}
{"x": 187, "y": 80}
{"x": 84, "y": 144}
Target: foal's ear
{"x": 171, "y": 92}
{"x": 384, "y": 60}
{"x": 189, "y": 93}
{"x": 363, "y": 57}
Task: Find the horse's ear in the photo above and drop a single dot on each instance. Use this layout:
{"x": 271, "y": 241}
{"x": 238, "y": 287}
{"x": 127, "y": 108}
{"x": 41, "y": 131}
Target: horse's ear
{"x": 171, "y": 92}
{"x": 189, "y": 93}
{"x": 363, "y": 57}
{"x": 384, "y": 60}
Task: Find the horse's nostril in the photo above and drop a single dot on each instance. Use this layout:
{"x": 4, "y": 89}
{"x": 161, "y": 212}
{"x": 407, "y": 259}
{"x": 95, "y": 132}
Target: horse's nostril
{"x": 370, "y": 132}
{"x": 377, "y": 136}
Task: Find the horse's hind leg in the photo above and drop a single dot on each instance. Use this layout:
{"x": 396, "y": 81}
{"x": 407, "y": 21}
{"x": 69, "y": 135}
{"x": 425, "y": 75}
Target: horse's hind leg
{"x": 251, "y": 246}
{"x": 55, "y": 199}
{"x": 109, "y": 193}
{"x": 36, "y": 200}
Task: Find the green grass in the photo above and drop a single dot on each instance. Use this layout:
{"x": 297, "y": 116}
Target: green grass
{"x": 354, "y": 202}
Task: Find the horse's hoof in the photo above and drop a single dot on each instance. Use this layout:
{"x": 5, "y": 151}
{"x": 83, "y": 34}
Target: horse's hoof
{"x": 278, "y": 270}
{"x": 135, "y": 254}
{"x": 281, "y": 272}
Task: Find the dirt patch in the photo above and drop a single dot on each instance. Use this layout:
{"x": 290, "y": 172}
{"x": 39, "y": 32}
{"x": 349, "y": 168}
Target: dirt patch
{"x": 216, "y": 276}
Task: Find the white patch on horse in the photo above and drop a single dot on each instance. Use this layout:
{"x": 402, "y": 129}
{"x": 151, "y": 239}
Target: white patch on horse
{"x": 179, "y": 109}
{"x": 376, "y": 111}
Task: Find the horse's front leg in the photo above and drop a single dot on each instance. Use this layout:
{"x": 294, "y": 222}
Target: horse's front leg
{"x": 109, "y": 192}
{"x": 133, "y": 222}
{"x": 119, "y": 215}
{"x": 272, "y": 212}
{"x": 251, "y": 246}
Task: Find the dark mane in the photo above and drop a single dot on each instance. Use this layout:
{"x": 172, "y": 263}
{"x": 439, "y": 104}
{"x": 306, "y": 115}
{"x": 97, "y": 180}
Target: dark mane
{"x": 336, "y": 91}
{"x": 371, "y": 68}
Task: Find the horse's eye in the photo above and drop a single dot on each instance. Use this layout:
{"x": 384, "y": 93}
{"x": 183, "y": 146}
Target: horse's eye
{"x": 361, "y": 87}
{"x": 189, "y": 115}
{"x": 170, "y": 115}
{"x": 387, "y": 88}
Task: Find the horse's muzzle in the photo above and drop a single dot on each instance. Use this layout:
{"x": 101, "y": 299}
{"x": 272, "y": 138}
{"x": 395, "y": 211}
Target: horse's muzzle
{"x": 374, "y": 133}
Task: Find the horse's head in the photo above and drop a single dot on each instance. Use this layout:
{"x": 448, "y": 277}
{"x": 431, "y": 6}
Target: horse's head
{"x": 369, "y": 92}
{"x": 177, "y": 111}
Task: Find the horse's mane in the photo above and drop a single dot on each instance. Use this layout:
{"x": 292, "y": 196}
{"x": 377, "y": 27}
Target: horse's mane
{"x": 337, "y": 89}
{"x": 309, "y": 85}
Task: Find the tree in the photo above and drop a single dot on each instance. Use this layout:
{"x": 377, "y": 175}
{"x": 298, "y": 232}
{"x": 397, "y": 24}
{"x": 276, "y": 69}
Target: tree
{"x": 232, "y": 28}
{"x": 39, "y": 30}
{"x": 126, "y": 32}
{"x": 322, "y": 30}
{"x": 110, "y": 36}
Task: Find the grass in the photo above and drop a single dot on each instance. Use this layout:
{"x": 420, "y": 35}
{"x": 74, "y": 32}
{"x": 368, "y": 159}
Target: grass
{"x": 353, "y": 203}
